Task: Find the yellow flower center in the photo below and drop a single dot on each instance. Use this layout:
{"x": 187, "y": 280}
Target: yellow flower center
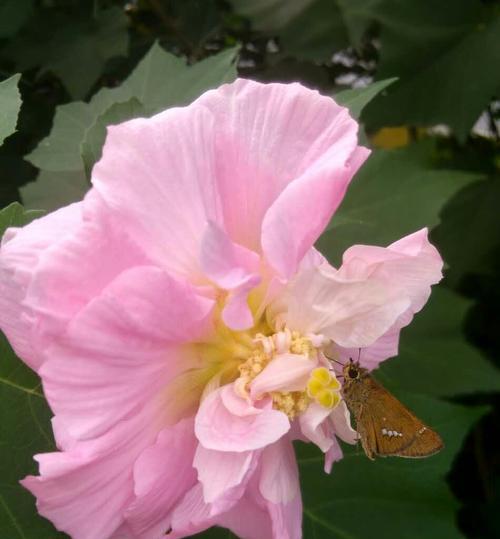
{"x": 323, "y": 387}
{"x": 240, "y": 356}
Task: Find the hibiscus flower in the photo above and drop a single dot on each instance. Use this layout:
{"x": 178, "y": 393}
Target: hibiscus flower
{"x": 179, "y": 315}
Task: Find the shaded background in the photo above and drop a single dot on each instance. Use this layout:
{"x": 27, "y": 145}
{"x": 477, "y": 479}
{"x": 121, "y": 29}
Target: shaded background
{"x": 435, "y": 132}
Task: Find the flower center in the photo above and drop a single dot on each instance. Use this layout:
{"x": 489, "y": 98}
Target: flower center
{"x": 322, "y": 386}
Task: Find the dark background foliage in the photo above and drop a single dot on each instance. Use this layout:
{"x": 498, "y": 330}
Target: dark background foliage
{"x": 435, "y": 131}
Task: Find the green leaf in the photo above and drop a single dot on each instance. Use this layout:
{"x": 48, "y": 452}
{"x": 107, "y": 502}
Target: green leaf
{"x": 159, "y": 81}
{"x": 469, "y": 234}
{"x": 53, "y": 190}
{"x": 60, "y": 151}
{"x": 435, "y": 358}
{"x": 444, "y": 59}
{"x": 13, "y": 14}
{"x": 74, "y": 48}
{"x": 10, "y": 104}
{"x": 392, "y": 497}
{"x": 357, "y": 98}
{"x": 15, "y": 215}
{"x": 95, "y": 135}
{"x": 395, "y": 193}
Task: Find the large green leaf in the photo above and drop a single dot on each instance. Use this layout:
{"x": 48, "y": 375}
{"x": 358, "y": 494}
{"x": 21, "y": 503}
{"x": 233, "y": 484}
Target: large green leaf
{"x": 74, "y": 48}
{"x": 395, "y": 193}
{"x": 435, "y": 358}
{"x": 446, "y": 60}
{"x": 469, "y": 234}
{"x": 389, "y": 498}
{"x": 10, "y": 104}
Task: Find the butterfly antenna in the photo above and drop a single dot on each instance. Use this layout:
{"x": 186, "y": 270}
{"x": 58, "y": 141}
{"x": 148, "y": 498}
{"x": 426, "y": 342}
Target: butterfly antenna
{"x": 332, "y": 359}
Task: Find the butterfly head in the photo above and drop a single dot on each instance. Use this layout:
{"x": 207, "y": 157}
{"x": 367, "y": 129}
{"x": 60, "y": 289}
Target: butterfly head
{"x": 352, "y": 371}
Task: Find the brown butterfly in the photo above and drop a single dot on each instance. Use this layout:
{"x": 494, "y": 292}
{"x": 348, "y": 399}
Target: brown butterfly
{"x": 386, "y": 427}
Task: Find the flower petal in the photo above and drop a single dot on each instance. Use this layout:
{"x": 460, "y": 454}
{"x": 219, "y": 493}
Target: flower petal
{"x": 218, "y": 428}
{"x": 225, "y": 158}
{"x": 311, "y": 424}
{"x": 279, "y": 474}
{"x": 163, "y": 474}
{"x": 125, "y": 337}
{"x": 21, "y": 251}
{"x": 247, "y": 517}
{"x": 287, "y": 372}
{"x": 334, "y": 454}
{"x": 220, "y": 471}
{"x": 341, "y": 420}
{"x": 352, "y": 312}
{"x": 85, "y": 490}
{"x": 412, "y": 264}
{"x": 300, "y": 214}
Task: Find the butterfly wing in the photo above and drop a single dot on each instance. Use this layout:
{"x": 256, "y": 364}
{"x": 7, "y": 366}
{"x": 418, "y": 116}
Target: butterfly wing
{"x": 388, "y": 428}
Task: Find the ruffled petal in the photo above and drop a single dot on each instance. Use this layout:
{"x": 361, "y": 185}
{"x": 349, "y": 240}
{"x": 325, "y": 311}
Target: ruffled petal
{"x": 334, "y": 454}
{"x": 279, "y": 474}
{"x": 20, "y": 254}
{"x": 352, "y": 312}
{"x": 127, "y": 338}
{"x": 302, "y": 211}
{"x": 219, "y": 428}
{"x": 412, "y": 264}
{"x": 82, "y": 265}
{"x": 85, "y": 490}
{"x": 220, "y": 471}
{"x": 163, "y": 474}
{"x": 341, "y": 421}
{"x": 287, "y": 372}
{"x": 247, "y": 516}
{"x": 225, "y": 158}
{"x": 311, "y": 424}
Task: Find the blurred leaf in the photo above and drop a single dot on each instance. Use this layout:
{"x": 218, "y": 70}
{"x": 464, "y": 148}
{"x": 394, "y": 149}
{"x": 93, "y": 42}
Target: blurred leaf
{"x": 160, "y": 80}
{"x": 53, "y": 190}
{"x": 308, "y": 29}
{"x": 10, "y": 104}
{"x": 13, "y": 14}
{"x": 469, "y": 234}
{"x": 15, "y": 215}
{"x": 357, "y": 98}
{"x": 357, "y": 17}
{"x": 395, "y": 193}
{"x": 435, "y": 358}
{"x": 95, "y": 135}
{"x": 76, "y": 49}
{"x": 444, "y": 59}
{"x": 390, "y": 498}
{"x": 270, "y": 15}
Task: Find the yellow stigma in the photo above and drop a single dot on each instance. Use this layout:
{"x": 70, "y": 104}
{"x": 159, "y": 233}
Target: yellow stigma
{"x": 323, "y": 387}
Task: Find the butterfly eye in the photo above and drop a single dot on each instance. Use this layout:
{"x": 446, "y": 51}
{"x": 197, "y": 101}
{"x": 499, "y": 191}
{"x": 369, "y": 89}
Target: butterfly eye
{"x": 353, "y": 373}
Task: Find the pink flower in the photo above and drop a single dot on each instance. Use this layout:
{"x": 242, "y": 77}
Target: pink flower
{"x": 178, "y": 315}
